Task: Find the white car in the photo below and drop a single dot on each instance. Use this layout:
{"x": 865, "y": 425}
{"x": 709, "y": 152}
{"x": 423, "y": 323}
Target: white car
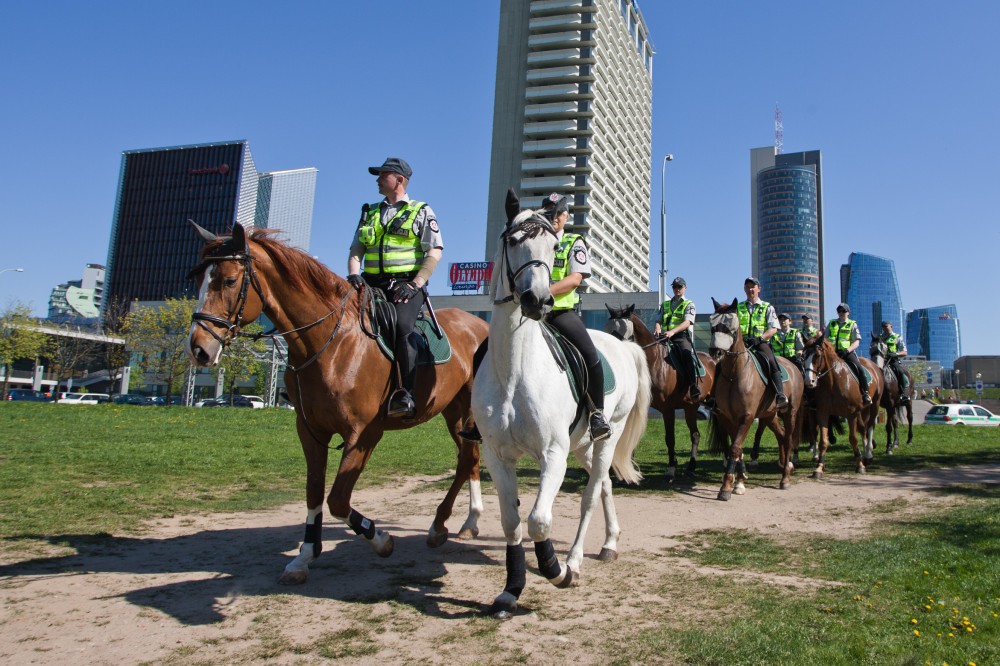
{"x": 961, "y": 415}
{"x": 84, "y": 398}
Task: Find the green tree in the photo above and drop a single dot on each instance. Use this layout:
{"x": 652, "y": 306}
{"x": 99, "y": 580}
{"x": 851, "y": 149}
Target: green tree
{"x": 242, "y": 359}
{"x": 157, "y": 337}
{"x": 19, "y": 338}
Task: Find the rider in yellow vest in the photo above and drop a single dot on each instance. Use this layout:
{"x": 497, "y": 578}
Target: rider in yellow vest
{"x": 677, "y": 325}
{"x": 843, "y": 334}
{"x": 896, "y": 350}
{"x": 757, "y": 324}
{"x": 396, "y": 247}
{"x": 787, "y": 342}
{"x": 570, "y": 266}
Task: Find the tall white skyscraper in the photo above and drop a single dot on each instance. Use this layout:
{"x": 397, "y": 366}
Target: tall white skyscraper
{"x": 285, "y": 202}
{"x": 573, "y": 114}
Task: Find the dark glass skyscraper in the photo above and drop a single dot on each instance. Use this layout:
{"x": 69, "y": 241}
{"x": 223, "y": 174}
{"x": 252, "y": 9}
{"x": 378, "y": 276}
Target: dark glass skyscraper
{"x": 868, "y": 284}
{"x": 787, "y": 230}
{"x": 152, "y": 246}
{"x": 935, "y": 333}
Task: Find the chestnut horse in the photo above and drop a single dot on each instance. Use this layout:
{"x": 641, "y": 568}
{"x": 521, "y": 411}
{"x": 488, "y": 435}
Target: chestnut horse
{"x": 670, "y": 393}
{"x": 337, "y": 377}
{"x": 741, "y": 396}
{"x": 837, "y": 392}
{"x": 892, "y": 396}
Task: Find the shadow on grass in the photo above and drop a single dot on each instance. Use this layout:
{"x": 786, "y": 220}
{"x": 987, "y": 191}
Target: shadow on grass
{"x": 220, "y": 566}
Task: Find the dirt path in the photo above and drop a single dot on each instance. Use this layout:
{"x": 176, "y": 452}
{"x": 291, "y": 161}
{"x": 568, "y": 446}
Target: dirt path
{"x": 203, "y": 589}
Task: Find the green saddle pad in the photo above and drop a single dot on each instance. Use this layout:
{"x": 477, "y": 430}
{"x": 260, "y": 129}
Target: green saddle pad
{"x": 764, "y": 374}
{"x": 431, "y": 349}
{"x": 676, "y": 361}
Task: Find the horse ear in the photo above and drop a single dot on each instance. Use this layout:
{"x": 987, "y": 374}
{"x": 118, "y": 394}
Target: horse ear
{"x": 512, "y": 205}
{"x": 239, "y": 238}
{"x": 205, "y": 234}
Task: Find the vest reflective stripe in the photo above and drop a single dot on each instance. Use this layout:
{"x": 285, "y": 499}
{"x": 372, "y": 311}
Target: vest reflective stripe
{"x": 891, "y": 342}
{"x": 756, "y": 325}
{"x": 395, "y": 253}
{"x": 842, "y": 333}
{"x": 673, "y": 318}
{"x": 560, "y": 268}
{"x": 784, "y": 346}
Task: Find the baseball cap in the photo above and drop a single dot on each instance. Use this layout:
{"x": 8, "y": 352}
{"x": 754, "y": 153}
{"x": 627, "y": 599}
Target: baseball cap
{"x": 392, "y": 165}
{"x": 753, "y": 280}
{"x": 843, "y": 307}
{"x": 679, "y": 280}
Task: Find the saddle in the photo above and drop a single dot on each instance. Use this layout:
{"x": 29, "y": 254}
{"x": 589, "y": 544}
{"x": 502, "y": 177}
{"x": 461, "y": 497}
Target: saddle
{"x": 570, "y": 360}
{"x": 429, "y": 339}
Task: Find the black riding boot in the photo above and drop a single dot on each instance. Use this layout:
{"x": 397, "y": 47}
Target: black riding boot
{"x": 599, "y": 427}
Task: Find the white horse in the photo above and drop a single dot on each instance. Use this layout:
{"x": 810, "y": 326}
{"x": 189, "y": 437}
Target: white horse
{"x": 523, "y": 404}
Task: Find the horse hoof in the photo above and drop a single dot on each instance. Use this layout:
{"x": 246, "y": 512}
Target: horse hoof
{"x": 296, "y": 577}
{"x": 435, "y": 539}
{"x": 467, "y": 533}
{"x": 724, "y": 495}
{"x": 607, "y": 555}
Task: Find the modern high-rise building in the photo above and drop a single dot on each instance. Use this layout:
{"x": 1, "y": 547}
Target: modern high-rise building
{"x": 152, "y": 246}
{"x": 285, "y": 202}
{"x": 786, "y": 230}
{"x": 573, "y": 114}
{"x": 934, "y": 333}
{"x": 868, "y": 284}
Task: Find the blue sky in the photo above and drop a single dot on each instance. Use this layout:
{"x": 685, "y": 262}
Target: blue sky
{"x": 901, "y": 97}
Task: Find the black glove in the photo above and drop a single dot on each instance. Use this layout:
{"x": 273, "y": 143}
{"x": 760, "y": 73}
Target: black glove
{"x": 356, "y": 281}
{"x": 403, "y": 292}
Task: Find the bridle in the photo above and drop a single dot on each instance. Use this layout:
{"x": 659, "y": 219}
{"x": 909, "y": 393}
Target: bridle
{"x": 232, "y": 325}
{"x": 531, "y": 223}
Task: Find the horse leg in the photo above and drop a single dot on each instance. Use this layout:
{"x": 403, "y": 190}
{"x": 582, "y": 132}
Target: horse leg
{"x": 691, "y": 418}
{"x": 297, "y": 571}
{"x": 669, "y": 437}
{"x": 467, "y": 470}
{"x": 504, "y": 477}
{"x": 552, "y": 468}
{"x": 352, "y": 462}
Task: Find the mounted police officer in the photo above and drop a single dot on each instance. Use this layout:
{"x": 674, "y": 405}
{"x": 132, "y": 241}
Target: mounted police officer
{"x": 676, "y": 324}
{"x": 809, "y": 330}
{"x": 787, "y": 342}
{"x": 396, "y": 248}
{"x": 843, "y": 333}
{"x": 896, "y": 349}
{"x": 570, "y": 266}
{"x": 757, "y": 324}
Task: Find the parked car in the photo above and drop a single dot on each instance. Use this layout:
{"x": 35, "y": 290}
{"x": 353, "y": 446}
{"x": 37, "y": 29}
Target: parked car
{"x": 84, "y": 399}
{"x": 27, "y": 395}
{"x": 972, "y": 415}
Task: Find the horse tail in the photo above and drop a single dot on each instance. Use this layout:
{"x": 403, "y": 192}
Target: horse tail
{"x": 718, "y": 438}
{"x": 635, "y": 425}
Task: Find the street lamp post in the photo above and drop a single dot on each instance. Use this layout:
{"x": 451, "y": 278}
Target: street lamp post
{"x": 663, "y": 226}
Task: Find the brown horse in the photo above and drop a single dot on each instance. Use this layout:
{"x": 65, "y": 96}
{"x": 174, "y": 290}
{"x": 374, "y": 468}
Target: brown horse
{"x": 892, "y": 396}
{"x": 741, "y": 396}
{"x": 837, "y": 392}
{"x": 669, "y": 392}
{"x": 337, "y": 377}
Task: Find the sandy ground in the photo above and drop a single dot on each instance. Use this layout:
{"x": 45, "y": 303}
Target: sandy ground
{"x": 204, "y": 589}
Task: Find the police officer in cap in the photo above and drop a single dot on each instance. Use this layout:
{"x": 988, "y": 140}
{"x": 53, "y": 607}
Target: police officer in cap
{"x": 896, "y": 348}
{"x": 676, "y": 324}
{"x": 843, "y": 334}
{"x": 758, "y": 323}
{"x": 396, "y": 247}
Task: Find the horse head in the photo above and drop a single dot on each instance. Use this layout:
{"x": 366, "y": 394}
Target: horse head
{"x": 878, "y": 350}
{"x": 725, "y": 329}
{"x": 816, "y": 360}
{"x": 225, "y": 300}
{"x": 620, "y": 322}
{"x": 529, "y": 244}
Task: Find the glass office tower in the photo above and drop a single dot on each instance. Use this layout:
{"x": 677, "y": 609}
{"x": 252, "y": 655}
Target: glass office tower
{"x": 787, "y": 230}
{"x": 868, "y": 284}
{"x": 935, "y": 333}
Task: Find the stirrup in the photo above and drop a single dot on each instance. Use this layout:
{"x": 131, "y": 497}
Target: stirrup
{"x": 401, "y": 404}
{"x": 599, "y": 427}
